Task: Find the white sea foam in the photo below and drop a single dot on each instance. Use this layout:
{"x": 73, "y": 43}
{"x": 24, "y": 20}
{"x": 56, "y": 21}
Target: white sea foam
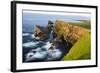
{"x": 37, "y": 38}
{"x": 54, "y": 54}
{"x": 29, "y": 56}
{"x": 43, "y": 52}
{"x": 36, "y": 54}
{"x": 33, "y": 36}
{"x": 30, "y": 44}
{"x": 47, "y": 46}
{"x": 40, "y": 55}
{"x": 25, "y": 34}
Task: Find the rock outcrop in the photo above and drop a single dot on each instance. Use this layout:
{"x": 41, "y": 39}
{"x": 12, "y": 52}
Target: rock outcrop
{"x": 40, "y": 32}
{"x": 43, "y": 32}
{"x": 70, "y": 33}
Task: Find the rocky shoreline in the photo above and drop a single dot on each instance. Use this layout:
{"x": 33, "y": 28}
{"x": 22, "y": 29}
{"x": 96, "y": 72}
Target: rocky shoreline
{"x": 61, "y": 36}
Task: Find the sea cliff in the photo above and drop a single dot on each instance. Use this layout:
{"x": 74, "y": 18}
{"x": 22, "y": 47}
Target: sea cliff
{"x": 71, "y": 33}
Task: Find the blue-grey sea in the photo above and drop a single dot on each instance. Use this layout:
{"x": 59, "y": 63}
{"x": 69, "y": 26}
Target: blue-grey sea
{"x": 37, "y": 51}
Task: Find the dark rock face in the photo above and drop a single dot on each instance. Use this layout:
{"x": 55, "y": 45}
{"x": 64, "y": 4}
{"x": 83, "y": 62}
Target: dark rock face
{"x": 50, "y": 22}
{"x": 63, "y": 45}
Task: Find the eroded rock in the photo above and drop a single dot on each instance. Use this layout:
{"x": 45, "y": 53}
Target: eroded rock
{"x": 70, "y": 33}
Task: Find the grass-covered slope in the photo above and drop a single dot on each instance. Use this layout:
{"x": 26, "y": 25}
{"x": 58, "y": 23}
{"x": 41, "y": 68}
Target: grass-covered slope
{"x": 83, "y": 23}
{"x": 81, "y": 49}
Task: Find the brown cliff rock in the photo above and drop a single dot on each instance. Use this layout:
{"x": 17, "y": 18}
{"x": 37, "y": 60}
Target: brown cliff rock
{"x": 71, "y": 33}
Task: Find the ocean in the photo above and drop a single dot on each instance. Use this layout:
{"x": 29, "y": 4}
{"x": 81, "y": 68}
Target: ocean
{"x": 38, "y": 51}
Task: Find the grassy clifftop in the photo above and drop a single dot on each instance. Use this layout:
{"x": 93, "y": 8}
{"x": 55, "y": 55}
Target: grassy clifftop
{"x": 83, "y": 23}
{"x": 81, "y": 49}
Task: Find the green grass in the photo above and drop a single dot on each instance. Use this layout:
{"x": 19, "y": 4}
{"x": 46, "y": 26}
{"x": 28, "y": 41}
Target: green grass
{"x": 83, "y": 23}
{"x": 81, "y": 50}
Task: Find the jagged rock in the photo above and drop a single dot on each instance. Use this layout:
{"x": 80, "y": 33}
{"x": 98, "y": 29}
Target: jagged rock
{"x": 41, "y": 32}
{"x": 50, "y": 22}
{"x": 69, "y": 32}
